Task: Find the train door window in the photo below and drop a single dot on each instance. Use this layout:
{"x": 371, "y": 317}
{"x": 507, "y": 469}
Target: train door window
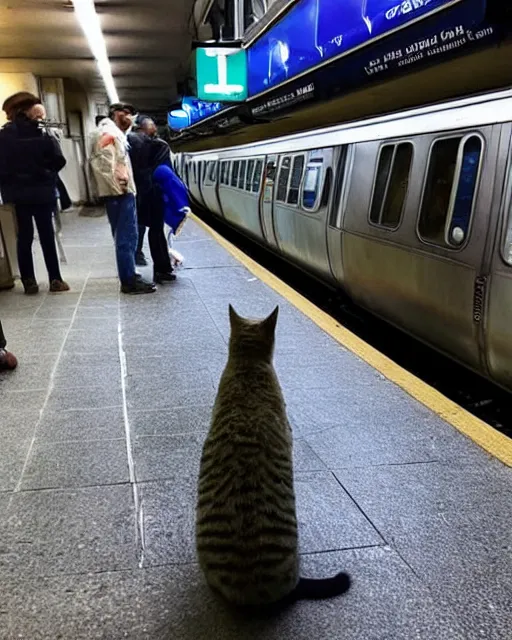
{"x": 448, "y": 197}
{"x": 234, "y": 173}
{"x": 241, "y": 176}
{"x": 227, "y": 167}
{"x": 248, "y": 178}
{"x": 256, "y": 178}
{"x": 194, "y": 167}
{"x": 213, "y": 170}
{"x": 341, "y": 184}
{"x": 391, "y": 184}
{"x": 187, "y": 174}
{"x": 326, "y": 191}
{"x": 312, "y": 182}
{"x": 507, "y": 247}
{"x": 296, "y": 179}
{"x": 282, "y": 181}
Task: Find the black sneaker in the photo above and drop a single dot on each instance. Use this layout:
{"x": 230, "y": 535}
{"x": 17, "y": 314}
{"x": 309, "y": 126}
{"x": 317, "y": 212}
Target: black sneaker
{"x": 138, "y": 287}
{"x": 140, "y": 260}
{"x": 31, "y": 287}
{"x": 168, "y": 276}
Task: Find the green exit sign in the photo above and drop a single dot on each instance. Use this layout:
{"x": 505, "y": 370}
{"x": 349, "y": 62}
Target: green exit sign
{"x": 221, "y": 74}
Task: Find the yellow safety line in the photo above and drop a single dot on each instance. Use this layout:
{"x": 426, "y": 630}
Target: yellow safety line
{"x": 484, "y": 435}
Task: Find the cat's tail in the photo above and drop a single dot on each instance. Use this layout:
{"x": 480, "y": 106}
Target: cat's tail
{"x": 323, "y": 588}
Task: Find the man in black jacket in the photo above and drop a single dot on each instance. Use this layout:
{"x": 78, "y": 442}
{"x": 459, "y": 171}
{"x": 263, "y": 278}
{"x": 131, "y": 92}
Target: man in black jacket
{"x": 29, "y": 166}
{"x": 146, "y": 153}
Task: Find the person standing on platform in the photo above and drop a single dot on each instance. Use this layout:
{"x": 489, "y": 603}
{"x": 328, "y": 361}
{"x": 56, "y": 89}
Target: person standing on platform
{"x": 112, "y": 170}
{"x": 7, "y": 359}
{"x": 30, "y": 161}
{"x": 147, "y": 152}
{"x": 144, "y": 125}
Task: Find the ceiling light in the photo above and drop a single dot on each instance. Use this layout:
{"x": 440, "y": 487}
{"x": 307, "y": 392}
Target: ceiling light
{"x": 90, "y": 24}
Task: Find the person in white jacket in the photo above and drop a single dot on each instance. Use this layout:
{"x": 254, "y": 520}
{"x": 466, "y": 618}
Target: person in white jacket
{"x": 112, "y": 171}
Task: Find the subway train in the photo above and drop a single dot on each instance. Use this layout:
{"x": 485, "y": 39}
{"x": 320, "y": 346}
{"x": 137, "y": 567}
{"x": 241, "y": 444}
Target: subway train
{"x": 409, "y": 213}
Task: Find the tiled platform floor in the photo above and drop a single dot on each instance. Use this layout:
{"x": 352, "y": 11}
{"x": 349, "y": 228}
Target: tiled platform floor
{"x": 101, "y": 430}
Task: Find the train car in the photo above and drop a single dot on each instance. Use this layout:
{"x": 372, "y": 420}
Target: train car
{"x": 409, "y": 213}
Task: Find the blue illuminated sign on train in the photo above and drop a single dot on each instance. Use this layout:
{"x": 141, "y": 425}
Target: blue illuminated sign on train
{"x": 316, "y": 31}
{"x": 192, "y": 111}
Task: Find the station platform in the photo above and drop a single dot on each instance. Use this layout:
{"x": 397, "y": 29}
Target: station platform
{"x": 101, "y": 429}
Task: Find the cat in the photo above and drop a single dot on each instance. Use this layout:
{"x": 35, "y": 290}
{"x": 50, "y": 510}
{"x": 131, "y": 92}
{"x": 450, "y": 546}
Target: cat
{"x": 246, "y": 527}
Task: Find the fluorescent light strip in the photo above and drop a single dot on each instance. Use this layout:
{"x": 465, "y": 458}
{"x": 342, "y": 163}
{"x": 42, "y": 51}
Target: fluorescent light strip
{"x": 90, "y": 23}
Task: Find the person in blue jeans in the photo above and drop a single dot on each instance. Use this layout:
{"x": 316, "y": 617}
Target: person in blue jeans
{"x": 30, "y": 160}
{"x": 112, "y": 170}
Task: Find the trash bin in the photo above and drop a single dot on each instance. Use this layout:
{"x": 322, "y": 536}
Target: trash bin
{"x": 8, "y": 261}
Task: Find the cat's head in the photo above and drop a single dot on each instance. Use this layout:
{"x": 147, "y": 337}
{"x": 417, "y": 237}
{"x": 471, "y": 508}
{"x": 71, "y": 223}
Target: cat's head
{"x": 252, "y": 336}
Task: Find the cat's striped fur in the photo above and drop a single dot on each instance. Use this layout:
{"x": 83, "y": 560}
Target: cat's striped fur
{"x": 246, "y": 529}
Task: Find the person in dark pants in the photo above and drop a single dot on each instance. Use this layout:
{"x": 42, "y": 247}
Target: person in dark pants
{"x": 7, "y": 359}
{"x": 29, "y": 164}
{"x": 112, "y": 170}
{"x": 146, "y": 126}
{"x": 146, "y": 153}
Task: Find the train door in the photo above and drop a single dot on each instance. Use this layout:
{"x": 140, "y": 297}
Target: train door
{"x": 267, "y": 201}
{"x": 498, "y": 313}
{"x": 453, "y": 224}
{"x": 342, "y": 161}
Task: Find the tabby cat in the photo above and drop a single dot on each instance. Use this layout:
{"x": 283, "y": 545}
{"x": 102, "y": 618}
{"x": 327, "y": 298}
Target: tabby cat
{"x": 246, "y": 529}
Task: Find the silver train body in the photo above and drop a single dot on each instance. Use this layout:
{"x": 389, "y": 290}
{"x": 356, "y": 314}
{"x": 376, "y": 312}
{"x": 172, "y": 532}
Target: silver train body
{"x": 409, "y": 213}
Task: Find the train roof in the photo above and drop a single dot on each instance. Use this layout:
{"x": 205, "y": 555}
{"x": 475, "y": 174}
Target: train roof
{"x": 465, "y": 113}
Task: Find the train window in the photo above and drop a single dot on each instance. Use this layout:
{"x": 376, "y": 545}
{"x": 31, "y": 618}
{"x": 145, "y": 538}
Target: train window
{"x": 312, "y": 183}
{"x": 282, "y": 182}
{"x": 248, "y": 178}
{"x": 296, "y": 179}
{"x": 256, "y": 178}
{"x": 448, "y": 197}
{"x": 391, "y": 184}
{"x": 213, "y": 170}
{"x": 234, "y": 173}
{"x": 241, "y": 176}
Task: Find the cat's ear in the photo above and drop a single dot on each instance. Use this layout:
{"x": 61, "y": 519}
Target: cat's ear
{"x": 269, "y": 324}
{"x": 234, "y": 318}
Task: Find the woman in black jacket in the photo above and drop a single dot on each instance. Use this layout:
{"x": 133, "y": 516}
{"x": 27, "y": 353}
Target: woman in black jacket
{"x": 29, "y": 166}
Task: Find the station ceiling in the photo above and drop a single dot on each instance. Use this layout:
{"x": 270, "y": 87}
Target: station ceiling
{"x": 148, "y": 43}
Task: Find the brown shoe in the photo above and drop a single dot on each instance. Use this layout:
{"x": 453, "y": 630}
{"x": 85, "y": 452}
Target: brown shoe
{"x": 7, "y": 360}
{"x": 57, "y": 286}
